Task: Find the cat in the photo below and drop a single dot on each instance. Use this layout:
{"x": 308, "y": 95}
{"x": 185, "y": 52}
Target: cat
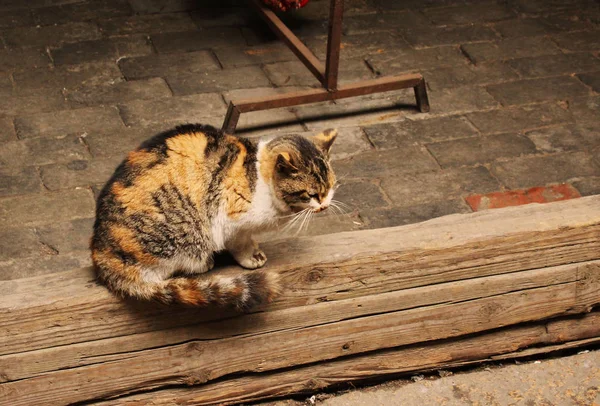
{"x": 190, "y": 192}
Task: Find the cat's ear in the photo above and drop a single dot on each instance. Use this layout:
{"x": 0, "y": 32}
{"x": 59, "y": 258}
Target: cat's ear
{"x": 285, "y": 164}
{"x": 325, "y": 140}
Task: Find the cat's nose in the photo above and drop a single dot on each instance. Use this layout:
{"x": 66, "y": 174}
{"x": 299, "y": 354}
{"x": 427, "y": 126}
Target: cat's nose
{"x": 322, "y": 208}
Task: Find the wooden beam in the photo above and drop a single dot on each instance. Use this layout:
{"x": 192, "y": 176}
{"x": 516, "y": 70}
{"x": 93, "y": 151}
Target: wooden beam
{"x": 356, "y": 293}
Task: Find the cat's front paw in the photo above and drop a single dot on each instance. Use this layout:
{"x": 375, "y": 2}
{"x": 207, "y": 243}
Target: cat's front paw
{"x": 256, "y": 260}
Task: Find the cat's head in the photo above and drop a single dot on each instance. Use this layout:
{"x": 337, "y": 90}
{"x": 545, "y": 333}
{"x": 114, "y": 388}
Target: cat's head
{"x": 302, "y": 177}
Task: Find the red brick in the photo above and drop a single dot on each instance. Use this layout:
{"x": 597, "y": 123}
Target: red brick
{"x": 542, "y": 194}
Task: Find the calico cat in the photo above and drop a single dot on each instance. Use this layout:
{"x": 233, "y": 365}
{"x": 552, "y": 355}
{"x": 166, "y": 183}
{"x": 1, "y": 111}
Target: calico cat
{"x": 188, "y": 193}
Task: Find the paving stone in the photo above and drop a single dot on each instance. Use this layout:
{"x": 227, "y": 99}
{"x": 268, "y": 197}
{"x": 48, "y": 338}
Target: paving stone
{"x": 468, "y": 14}
{"x": 15, "y": 18}
{"x": 46, "y": 208}
{"x": 412, "y": 132}
{"x": 469, "y": 75}
{"x": 398, "y": 61}
{"x": 574, "y": 19}
{"x": 351, "y": 141}
{"x": 18, "y": 243}
{"x": 17, "y": 4}
{"x": 581, "y": 41}
{"x": 436, "y": 36}
{"x": 6, "y": 86}
{"x": 480, "y": 150}
{"x": 12, "y": 106}
{"x": 555, "y": 65}
{"x": 180, "y": 110}
{"x": 236, "y": 57}
{"x": 7, "y": 129}
{"x": 104, "y": 49}
{"x": 527, "y": 172}
{"x": 54, "y": 35}
{"x": 19, "y": 59}
{"x": 592, "y": 79}
{"x": 41, "y": 151}
{"x": 78, "y": 173}
{"x": 586, "y": 112}
{"x": 295, "y": 73}
{"x": 29, "y": 82}
{"x": 375, "y": 164}
{"x": 163, "y": 65}
{"x": 529, "y": 27}
{"x": 187, "y": 41}
{"x": 517, "y": 119}
{"x": 460, "y": 99}
{"x": 147, "y": 24}
{"x": 118, "y": 92}
{"x": 217, "y": 81}
{"x": 78, "y": 121}
{"x": 360, "y": 195}
{"x": 67, "y": 236}
{"x": 85, "y": 11}
{"x": 358, "y": 46}
{"x": 537, "y": 90}
{"x": 538, "y": 6}
{"x": 255, "y": 92}
{"x": 588, "y": 186}
{"x": 268, "y": 122}
{"x": 408, "y": 190}
{"x": 19, "y": 181}
{"x": 36, "y": 266}
{"x": 165, "y": 6}
{"x": 399, "y": 216}
{"x": 508, "y": 198}
{"x": 112, "y": 145}
{"x": 510, "y": 48}
{"x": 222, "y": 16}
{"x": 556, "y": 139}
{"x": 400, "y": 21}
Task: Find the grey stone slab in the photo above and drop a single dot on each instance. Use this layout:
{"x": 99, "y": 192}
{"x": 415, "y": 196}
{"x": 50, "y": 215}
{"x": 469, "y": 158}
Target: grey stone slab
{"x": 42, "y": 151}
{"x": 592, "y": 79}
{"x": 517, "y": 119}
{"x": 7, "y": 129}
{"x": 557, "y": 139}
{"x": 257, "y": 92}
{"x": 480, "y": 150}
{"x": 436, "y": 36}
{"x": 581, "y": 41}
{"x": 268, "y": 122}
{"x": 81, "y": 11}
{"x": 573, "y": 19}
{"x": 180, "y": 110}
{"x": 379, "y": 22}
{"x": 46, "y": 208}
{"x": 469, "y": 75}
{"x": 30, "y": 82}
{"x": 360, "y": 45}
{"x": 529, "y": 27}
{"x": 586, "y": 111}
{"x": 115, "y": 145}
{"x": 19, "y": 59}
{"x": 217, "y": 81}
{"x": 78, "y": 173}
{"x": 468, "y": 14}
{"x": 197, "y": 40}
{"x": 118, "y": 92}
{"x": 236, "y": 57}
{"x": 376, "y": 164}
{"x": 12, "y": 106}
{"x": 460, "y": 100}
{"x": 588, "y": 186}
{"x": 65, "y": 122}
{"x": 398, "y": 61}
{"x": 166, "y": 6}
{"x": 222, "y": 16}
{"x": 555, "y": 65}
{"x": 19, "y": 243}
{"x": 510, "y": 48}
{"x": 18, "y": 4}
{"x": 533, "y": 171}
{"x": 50, "y": 35}
{"x": 19, "y": 181}
{"x": 399, "y": 216}
{"x": 360, "y": 195}
{"x": 413, "y": 132}
{"x": 295, "y": 73}
{"x": 147, "y": 24}
{"x": 409, "y": 190}
{"x": 102, "y": 50}
{"x": 544, "y": 6}
{"x": 537, "y": 90}
{"x": 43, "y": 265}
{"x": 351, "y": 141}
{"x": 67, "y": 236}
{"x": 15, "y": 18}
{"x": 163, "y": 65}
{"x": 6, "y": 85}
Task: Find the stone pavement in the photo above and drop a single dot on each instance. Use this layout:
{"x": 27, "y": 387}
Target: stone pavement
{"x": 567, "y": 381}
{"x": 514, "y": 88}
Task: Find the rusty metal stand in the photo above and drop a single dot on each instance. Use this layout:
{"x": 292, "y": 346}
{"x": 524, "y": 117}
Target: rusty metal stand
{"x": 328, "y": 75}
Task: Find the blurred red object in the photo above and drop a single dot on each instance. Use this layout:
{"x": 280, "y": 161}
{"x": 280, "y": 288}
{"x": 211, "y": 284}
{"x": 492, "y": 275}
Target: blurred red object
{"x": 285, "y": 5}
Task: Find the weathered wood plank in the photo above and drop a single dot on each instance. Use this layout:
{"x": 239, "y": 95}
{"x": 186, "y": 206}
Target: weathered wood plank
{"x": 196, "y": 362}
{"x": 508, "y": 343}
{"x": 54, "y": 310}
{"x": 24, "y": 365}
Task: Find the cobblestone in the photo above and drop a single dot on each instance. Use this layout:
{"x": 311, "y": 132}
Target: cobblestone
{"x": 454, "y": 15}
{"x": 510, "y": 48}
{"x": 7, "y": 129}
{"x": 198, "y": 40}
{"x": 581, "y": 41}
{"x": 50, "y": 35}
{"x": 78, "y": 173}
{"x": 18, "y": 243}
{"x": 19, "y": 59}
{"x": 517, "y": 119}
{"x": 592, "y": 79}
{"x": 556, "y": 139}
{"x": 469, "y": 75}
{"x": 101, "y": 50}
{"x": 118, "y": 92}
{"x": 399, "y": 216}
{"x": 74, "y": 12}
{"x": 554, "y": 65}
{"x": 361, "y": 195}
{"x": 162, "y": 65}
{"x": 236, "y": 78}
{"x": 18, "y": 181}
{"x": 42, "y": 151}
{"x": 147, "y": 24}
{"x": 12, "y": 106}
{"x": 537, "y": 90}
{"x": 67, "y": 236}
